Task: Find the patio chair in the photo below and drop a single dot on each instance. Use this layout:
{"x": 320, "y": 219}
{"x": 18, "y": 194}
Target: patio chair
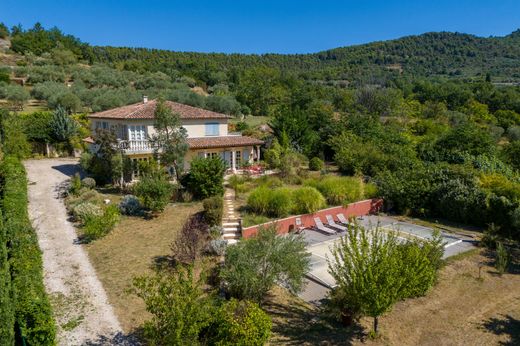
{"x": 342, "y": 219}
{"x": 323, "y": 228}
{"x": 333, "y": 224}
{"x": 299, "y": 225}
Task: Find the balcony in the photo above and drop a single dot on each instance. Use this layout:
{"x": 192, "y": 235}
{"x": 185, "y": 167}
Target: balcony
{"x": 135, "y": 146}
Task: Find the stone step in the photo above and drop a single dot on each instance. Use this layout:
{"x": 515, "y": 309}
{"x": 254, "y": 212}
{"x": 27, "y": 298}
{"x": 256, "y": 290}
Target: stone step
{"x": 230, "y": 224}
{"x": 231, "y": 236}
{"x": 232, "y": 241}
{"x": 230, "y": 229}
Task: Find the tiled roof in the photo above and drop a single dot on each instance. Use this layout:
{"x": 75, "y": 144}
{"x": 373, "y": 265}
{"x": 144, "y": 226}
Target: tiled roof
{"x": 146, "y": 110}
{"x": 222, "y": 142}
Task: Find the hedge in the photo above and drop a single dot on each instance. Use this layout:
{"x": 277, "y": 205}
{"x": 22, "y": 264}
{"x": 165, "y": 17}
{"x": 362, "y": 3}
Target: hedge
{"x": 33, "y": 314}
{"x": 6, "y": 294}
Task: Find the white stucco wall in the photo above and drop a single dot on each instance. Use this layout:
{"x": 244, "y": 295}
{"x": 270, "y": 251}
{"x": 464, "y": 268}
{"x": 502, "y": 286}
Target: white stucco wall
{"x": 194, "y": 127}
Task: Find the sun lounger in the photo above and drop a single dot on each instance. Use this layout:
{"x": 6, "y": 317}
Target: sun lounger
{"x": 299, "y": 225}
{"x": 333, "y": 224}
{"x": 323, "y": 228}
{"x": 343, "y": 219}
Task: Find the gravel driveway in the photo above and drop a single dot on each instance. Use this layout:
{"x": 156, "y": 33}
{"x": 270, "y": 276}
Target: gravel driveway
{"x": 82, "y": 311}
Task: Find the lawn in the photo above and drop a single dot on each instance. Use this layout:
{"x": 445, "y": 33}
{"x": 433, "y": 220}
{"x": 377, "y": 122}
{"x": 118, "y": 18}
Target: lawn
{"x": 133, "y": 248}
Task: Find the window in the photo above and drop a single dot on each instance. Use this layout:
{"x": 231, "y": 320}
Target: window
{"x": 238, "y": 158}
{"x": 102, "y": 125}
{"x": 212, "y": 129}
{"x": 212, "y": 155}
{"x": 137, "y": 132}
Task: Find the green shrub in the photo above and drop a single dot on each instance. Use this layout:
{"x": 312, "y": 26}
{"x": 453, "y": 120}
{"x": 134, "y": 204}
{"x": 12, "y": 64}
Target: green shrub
{"x": 240, "y": 323}
{"x": 307, "y": 200}
{"x": 85, "y": 211}
{"x": 89, "y": 183}
{"x": 340, "y": 190}
{"x": 75, "y": 184}
{"x": 253, "y": 266}
{"x": 276, "y": 203}
{"x": 84, "y": 195}
{"x": 502, "y": 258}
{"x": 98, "y": 226}
{"x": 269, "y": 181}
{"x": 85, "y": 161}
{"x": 280, "y": 203}
{"x": 130, "y": 205}
{"x": 178, "y": 304}
{"x": 258, "y": 200}
{"x": 32, "y": 309}
{"x": 213, "y": 210}
{"x": 6, "y": 294}
{"x": 370, "y": 191}
{"x": 206, "y": 177}
{"x": 253, "y": 219}
{"x": 316, "y": 164}
{"x": 154, "y": 192}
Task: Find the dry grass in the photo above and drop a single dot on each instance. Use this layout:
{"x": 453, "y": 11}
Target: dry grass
{"x": 133, "y": 248}
{"x": 461, "y": 310}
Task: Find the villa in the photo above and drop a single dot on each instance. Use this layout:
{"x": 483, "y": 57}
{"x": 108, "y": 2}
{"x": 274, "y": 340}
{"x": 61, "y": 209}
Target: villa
{"x": 207, "y": 131}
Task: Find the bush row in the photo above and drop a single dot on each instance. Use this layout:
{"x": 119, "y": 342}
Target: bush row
{"x": 271, "y": 199}
{"x": 33, "y": 314}
{"x": 282, "y": 201}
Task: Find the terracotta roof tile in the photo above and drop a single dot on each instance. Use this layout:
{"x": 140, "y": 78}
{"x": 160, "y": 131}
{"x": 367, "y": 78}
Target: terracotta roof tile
{"x": 222, "y": 142}
{"x": 146, "y": 110}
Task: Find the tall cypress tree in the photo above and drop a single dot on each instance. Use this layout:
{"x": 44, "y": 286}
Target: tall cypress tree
{"x": 62, "y": 125}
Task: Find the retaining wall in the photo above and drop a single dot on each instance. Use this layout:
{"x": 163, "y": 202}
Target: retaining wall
{"x": 369, "y": 206}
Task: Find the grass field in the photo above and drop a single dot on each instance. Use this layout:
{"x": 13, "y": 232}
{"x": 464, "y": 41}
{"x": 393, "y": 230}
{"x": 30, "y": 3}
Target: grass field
{"x": 133, "y": 248}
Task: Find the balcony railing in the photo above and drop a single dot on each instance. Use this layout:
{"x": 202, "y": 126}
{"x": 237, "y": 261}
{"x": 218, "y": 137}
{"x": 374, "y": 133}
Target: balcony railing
{"x": 136, "y": 146}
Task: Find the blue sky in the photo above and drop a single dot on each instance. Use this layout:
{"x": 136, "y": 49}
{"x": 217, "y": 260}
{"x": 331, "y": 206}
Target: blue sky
{"x": 260, "y": 26}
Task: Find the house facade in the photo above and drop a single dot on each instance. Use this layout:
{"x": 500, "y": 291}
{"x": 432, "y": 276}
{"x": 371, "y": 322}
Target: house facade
{"x": 207, "y": 131}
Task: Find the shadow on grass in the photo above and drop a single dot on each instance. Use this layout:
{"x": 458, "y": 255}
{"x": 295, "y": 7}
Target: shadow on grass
{"x": 165, "y": 262}
{"x": 305, "y": 326}
{"x": 507, "y": 325}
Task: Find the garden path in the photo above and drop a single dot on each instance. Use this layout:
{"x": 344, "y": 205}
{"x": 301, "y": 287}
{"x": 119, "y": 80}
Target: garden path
{"x": 81, "y": 308}
{"x": 230, "y": 221}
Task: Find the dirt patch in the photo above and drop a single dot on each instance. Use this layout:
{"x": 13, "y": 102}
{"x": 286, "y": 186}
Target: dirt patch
{"x": 82, "y": 311}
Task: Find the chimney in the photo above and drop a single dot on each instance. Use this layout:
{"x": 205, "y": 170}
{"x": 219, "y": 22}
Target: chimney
{"x": 145, "y": 98}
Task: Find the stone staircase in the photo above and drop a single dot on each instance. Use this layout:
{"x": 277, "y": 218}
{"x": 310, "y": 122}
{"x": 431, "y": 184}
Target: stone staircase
{"x": 230, "y": 221}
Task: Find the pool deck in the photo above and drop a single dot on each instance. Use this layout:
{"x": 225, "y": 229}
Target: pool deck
{"x": 319, "y": 244}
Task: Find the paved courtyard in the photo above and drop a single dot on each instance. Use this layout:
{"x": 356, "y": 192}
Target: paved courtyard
{"x": 320, "y": 244}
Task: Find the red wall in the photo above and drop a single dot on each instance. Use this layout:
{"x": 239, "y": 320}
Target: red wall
{"x": 369, "y": 206}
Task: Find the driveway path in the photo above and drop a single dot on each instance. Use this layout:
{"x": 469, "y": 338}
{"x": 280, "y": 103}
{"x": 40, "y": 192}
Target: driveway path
{"x": 82, "y": 311}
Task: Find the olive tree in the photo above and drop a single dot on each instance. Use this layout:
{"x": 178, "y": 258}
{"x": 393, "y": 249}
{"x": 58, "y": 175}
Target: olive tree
{"x": 374, "y": 269}
{"x": 254, "y": 265}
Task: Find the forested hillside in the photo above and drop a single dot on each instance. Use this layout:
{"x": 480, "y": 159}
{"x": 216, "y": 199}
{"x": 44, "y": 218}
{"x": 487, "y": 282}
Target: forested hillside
{"x": 433, "y": 120}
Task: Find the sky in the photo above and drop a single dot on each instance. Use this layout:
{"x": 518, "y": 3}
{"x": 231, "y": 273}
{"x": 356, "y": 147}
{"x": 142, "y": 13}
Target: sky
{"x": 254, "y": 26}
